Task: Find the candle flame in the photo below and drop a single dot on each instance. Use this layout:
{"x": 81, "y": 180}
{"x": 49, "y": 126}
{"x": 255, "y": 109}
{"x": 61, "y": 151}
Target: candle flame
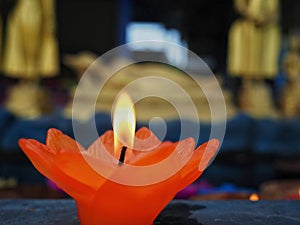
{"x": 124, "y": 122}
{"x": 254, "y": 197}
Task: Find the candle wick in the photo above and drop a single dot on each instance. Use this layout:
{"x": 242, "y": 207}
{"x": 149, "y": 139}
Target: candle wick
{"x": 122, "y": 155}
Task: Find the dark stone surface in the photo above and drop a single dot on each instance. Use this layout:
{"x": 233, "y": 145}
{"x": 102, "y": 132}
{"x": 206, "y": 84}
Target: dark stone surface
{"x": 178, "y": 212}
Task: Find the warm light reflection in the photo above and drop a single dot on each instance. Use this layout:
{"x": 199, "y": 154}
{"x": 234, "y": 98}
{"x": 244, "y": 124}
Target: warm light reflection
{"x": 123, "y": 122}
{"x": 254, "y": 197}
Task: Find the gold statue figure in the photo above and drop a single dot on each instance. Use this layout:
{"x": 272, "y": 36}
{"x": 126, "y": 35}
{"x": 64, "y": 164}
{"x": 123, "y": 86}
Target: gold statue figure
{"x": 253, "y": 49}
{"x": 30, "y": 54}
{"x": 290, "y": 98}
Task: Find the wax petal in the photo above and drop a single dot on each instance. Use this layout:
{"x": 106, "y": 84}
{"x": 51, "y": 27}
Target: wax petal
{"x": 58, "y": 141}
{"x": 144, "y": 158}
{"x": 145, "y": 140}
{"x": 79, "y": 168}
{"x": 209, "y": 152}
{"x": 185, "y": 149}
{"x": 40, "y": 155}
{"x": 103, "y": 146}
{"x": 108, "y": 140}
{"x": 54, "y": 167}
{"x": 144, "y": 133}
{"x": 198, "y": 162}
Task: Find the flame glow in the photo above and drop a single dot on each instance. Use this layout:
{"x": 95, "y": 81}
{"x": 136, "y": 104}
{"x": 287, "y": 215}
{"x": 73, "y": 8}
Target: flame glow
{"x": 254, "y": 197}
{"x": 124, "y": 122}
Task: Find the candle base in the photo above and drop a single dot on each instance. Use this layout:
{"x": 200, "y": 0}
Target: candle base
{"x": 100, "y": 214}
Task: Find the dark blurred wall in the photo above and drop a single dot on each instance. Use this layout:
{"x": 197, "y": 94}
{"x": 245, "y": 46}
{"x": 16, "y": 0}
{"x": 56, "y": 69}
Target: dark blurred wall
{"x": 290, "y": 15}
{"x": 208, "y": 25}
{"x": 87, "y": 25}
{"x": 98, "y": 25}
{"x": 203, "y": 24}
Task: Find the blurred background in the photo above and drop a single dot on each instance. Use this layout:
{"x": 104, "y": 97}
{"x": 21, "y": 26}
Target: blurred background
{"x": 252, "y": 46}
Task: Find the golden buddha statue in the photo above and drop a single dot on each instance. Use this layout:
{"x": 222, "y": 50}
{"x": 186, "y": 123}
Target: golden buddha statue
{"x": 290, "y": 98}
{"x": 253, "y": 50}
{"x": 148, "y": 107}
{"x": 30, "y": 54}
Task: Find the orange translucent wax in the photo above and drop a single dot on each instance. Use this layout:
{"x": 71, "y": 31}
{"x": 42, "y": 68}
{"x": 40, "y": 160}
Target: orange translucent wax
{"x": 102, "y": 201}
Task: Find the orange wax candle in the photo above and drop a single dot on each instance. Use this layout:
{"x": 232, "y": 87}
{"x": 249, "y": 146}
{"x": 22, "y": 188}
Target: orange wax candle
{"x": 99, "y": 197}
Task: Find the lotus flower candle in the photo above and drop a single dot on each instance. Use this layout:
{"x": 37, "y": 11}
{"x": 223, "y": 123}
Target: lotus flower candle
{"x": 120, "y": 179}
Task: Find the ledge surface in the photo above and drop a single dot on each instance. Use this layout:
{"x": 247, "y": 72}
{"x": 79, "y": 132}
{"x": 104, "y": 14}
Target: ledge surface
{"x": 178, "y": 212}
